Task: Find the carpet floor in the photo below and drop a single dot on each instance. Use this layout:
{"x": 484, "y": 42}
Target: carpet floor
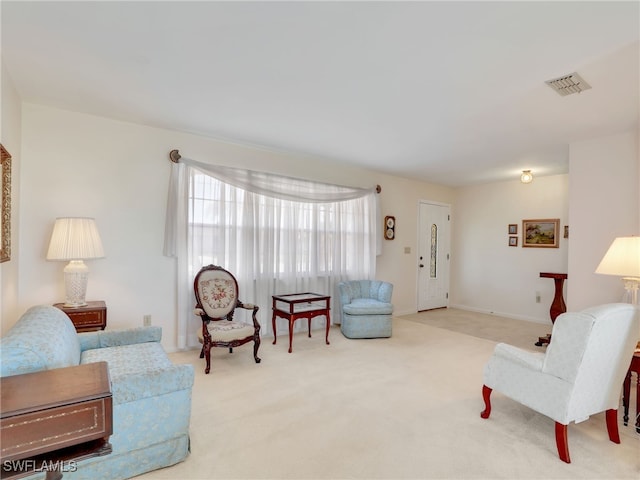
{"x": 406, "y": 407}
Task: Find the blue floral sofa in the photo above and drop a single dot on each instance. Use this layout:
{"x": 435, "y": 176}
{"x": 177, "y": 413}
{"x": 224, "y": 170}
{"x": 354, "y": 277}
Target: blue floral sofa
{"x": 151, "y": 395}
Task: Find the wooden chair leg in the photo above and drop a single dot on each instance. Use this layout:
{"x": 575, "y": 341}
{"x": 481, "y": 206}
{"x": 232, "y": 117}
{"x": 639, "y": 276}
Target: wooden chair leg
{"x": 486, "y": 395}
{"x": 612, "y": 425}
{"x": 207, "y": 355}
{"x": 561, "y": 442}
{"x": 256, "y": 345}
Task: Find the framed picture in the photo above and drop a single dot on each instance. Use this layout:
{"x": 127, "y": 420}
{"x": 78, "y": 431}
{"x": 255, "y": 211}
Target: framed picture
{"x": 5, "y": 205}
{"x": 513, "y": 241}
{"x": 541, "y": 233}
{"x": 513, "y": 229}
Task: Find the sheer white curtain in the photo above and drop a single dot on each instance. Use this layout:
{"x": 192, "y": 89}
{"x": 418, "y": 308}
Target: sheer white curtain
{"x": 276, "y": 235}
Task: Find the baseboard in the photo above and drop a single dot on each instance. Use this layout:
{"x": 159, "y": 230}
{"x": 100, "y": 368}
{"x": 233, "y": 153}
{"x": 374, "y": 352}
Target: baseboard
{"x": 503, "y": 314}
{"x": 400, "y": 313}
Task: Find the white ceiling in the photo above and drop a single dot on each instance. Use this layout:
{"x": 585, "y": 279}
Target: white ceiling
{"x": 448, "y": 92}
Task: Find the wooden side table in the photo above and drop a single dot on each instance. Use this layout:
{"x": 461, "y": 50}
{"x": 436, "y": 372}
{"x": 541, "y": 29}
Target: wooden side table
{"x": 53, "y": 418}
{"x": 89, "y": 318}
{"x": 558, "y": 306}
{"x": 626, "y": 390}
{"x": 300, "y": 305}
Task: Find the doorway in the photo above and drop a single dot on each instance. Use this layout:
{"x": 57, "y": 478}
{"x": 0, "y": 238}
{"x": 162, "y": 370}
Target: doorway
{"x": 433, "y": 255}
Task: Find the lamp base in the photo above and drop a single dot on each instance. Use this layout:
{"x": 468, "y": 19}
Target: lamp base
{"x": 76, "y": 274}
{"x": 74, "y": 305}
{"x": 631, "y": 289}
{"x": 631, "y": 285}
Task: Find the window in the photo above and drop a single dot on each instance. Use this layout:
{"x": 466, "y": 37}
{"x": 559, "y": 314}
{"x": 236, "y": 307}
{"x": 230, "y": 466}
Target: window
{"x": 276, "y": 235}
{"x": 433, "y": 264}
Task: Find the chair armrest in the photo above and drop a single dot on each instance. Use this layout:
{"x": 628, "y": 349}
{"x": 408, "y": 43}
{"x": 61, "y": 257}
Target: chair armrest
{"x": 248, "y": 306}
{"x": 345, "y": 293}
{"x": 255, "y": 308}
{"x": 532, "y": 360}
{"x": 385, "y": 292}
{"x": 116, "y": 338}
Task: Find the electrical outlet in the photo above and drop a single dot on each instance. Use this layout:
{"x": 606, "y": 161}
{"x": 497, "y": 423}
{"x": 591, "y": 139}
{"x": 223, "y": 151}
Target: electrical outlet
{"x": 146, "y": 320}
{"x": 537, "y": 297}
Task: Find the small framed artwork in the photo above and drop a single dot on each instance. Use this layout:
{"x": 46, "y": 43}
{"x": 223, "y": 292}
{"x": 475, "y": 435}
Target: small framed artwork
{"x": 513, "y": 241}
{"x": 389, "y": 227}
{"x": 513, "y": 229}
{"x": 541, "y": 233}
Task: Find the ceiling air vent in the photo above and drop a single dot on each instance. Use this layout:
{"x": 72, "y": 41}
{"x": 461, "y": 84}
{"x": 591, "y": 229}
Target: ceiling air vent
{"x": 568, "y": 84}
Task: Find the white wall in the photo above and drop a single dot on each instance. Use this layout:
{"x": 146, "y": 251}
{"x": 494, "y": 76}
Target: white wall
{"x": 401, "y": 199}
{"x": 10, "y": 137}
{"x": 489, "y": 275}
{"x": 604, "y": 198}
{"x": 117, "y": 172}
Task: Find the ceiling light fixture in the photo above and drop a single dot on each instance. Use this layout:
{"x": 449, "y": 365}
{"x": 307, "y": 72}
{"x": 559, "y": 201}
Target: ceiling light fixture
{"x": 526, "y": 177}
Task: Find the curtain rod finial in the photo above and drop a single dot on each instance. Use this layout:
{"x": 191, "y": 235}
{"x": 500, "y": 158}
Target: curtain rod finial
{"x": 378, "y": 188}
{"x": 174, "y": 156}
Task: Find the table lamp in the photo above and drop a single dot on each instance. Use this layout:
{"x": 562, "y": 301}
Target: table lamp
{"x": 75, "y": 239}
{"x": 623, "y": 259}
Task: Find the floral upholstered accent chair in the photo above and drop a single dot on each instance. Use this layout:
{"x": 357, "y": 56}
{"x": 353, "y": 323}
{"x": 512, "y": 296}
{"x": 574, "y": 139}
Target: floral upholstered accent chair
{"x": 216, "y": 292}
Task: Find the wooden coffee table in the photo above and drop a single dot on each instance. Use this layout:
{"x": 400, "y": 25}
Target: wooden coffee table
{"x": 300, "y": 305}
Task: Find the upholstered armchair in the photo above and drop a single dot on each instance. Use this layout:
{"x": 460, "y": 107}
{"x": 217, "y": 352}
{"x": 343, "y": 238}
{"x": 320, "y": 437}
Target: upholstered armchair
{"x": 580, "y": 374}
{"x": 366, "y": 308}
{"x": 216, "y": 292}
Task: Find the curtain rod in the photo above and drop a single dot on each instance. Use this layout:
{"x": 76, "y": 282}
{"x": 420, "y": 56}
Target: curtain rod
{"x": 175, "y": 157}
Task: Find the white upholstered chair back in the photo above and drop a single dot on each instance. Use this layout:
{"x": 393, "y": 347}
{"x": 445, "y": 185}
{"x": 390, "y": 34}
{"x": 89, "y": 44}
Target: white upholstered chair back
{"x": 606, "y": 358}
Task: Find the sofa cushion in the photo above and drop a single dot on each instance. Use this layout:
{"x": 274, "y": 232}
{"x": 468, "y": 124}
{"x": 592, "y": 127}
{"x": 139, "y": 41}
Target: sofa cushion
{"x": 367, "y": 306}
{"x": 140, "y": 371}
{"x": 42, "y": 339}
{"x": 366, "y": 326}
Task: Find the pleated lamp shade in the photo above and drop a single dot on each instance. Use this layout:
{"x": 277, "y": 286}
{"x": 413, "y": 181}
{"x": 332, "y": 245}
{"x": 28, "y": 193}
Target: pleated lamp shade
{"x": 75, "y": 239}
{"x": 622, "y": 258}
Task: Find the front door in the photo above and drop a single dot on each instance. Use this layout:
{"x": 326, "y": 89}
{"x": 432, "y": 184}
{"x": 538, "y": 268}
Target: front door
{"x": 433, "y": 256}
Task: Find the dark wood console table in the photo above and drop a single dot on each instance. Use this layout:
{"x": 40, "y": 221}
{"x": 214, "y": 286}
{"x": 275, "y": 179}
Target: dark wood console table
{"x": 626, "y": 389}
{"x": 92, "y": 316}
{"x": 557, "y": 306}
{"x": 300, "y": 305}
{"x": 51, "y": 419}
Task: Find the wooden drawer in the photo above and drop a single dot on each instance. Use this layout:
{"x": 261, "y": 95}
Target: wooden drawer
{"x": 51, "y": 429}
{"x": 88, "y": 318}
{"x": 51, "y": 415}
